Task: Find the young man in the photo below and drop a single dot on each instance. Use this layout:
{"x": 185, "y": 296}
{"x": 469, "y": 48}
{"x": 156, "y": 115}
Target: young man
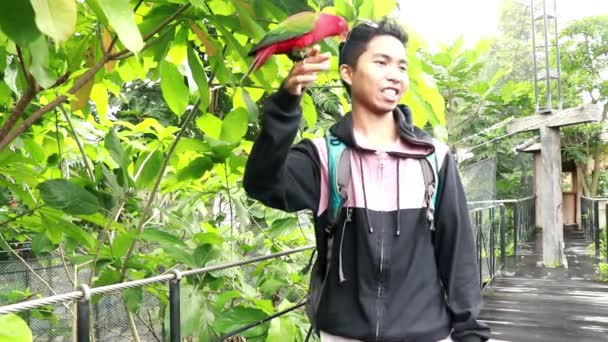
{"x": 394, "y": 273}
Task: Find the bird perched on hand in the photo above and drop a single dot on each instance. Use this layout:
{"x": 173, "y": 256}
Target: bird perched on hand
{"x": 296, "y": 33}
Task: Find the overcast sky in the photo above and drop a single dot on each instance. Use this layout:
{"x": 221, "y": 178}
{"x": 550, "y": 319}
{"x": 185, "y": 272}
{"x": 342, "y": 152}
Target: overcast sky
{"x": 444, "y": 20}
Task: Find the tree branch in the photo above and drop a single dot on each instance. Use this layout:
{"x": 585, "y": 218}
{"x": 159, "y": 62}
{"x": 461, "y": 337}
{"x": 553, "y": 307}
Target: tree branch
{"x": 17, "y": 111}
{"x": 31, "y": 211}
{"x": 8, "y": 136}
{"x": 28, "y": 77}
{"x": 166, "y": 21}
{"x": 148, "y": 207}
{"x": 86, "y": 77}
{"x": 79, "y": 144}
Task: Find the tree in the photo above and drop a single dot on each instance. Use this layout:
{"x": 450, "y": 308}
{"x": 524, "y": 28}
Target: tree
{"x": 585, "y": 62}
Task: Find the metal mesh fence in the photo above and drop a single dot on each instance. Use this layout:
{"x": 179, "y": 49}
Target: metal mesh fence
{"x": 504, "y": 176}
{"x": 55, "y": 323}
{"x": 479, "y": 180}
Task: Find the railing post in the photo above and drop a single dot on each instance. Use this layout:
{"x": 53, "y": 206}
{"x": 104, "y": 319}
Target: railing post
{"x": 515, "y": 226}
{"x": 596, "y": 223}
{"x": 479, "y": 245}
{"x": 174, "y": 307}
{"x": 82, "y": 315}
{"x": 492, "y": 244}
{"x": 503, "y": 237}
{"x": 607, "y": 232}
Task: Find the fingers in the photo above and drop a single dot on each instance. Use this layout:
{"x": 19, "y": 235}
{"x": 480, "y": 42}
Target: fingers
{"x": 305, "y": 72}
{"x": 315, "y": 50}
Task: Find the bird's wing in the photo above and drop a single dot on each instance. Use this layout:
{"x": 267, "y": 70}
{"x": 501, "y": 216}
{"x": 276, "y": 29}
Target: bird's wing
{"x": 294, "y": 26}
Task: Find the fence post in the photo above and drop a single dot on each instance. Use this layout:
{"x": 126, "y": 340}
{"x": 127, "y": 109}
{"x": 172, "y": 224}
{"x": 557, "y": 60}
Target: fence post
{"x": 174, "y": 307}
{"x": 478, "y": 248}
{"x": 492, "y": 244}
{"x": 515, "y": 226}
{"x": 596, "y": 223}
{"x": 82, "y": 315}
{"x": 503, "y": 237}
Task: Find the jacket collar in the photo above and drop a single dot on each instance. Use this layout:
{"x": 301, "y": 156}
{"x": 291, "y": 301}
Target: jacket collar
{"x": 408, "y": 133}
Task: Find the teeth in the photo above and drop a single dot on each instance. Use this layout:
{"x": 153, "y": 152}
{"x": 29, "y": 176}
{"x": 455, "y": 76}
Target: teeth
{"x": 390, "y": 92}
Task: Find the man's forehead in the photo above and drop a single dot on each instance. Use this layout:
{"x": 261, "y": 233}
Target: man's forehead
{"x": 386, "y": 46}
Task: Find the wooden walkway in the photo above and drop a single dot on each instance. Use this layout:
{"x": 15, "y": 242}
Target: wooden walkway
{"x": 534, "y": 303}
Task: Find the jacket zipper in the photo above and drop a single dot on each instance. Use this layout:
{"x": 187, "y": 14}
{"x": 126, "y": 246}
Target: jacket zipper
{"x": 379, "y": 302}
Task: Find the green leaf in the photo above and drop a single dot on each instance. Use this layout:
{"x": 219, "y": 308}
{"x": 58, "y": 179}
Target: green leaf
{"x": 121, "y": 244}
{"x": 209, "y": 237}
{"x": 54, "y": 220}
{"x": 17, "y": 21}
{"x": 200, "y": 78}
{"x": 34, "y": 150}
{"x": 309, "y": 112}
{"x": 180, "y": 255}
{"x": 177, "y": 52}
{"x": 132, "y": 297}
{"x": 283, "y": 226}
{"x": 55, "y": 18}
{"x": 68, "y": 197}
{"x": 78, "y": 234}
{"x": 117, "y": 152}
{"x": 281, "y": 330}
{"x": 235, "y": 125}
{"x": 150, "y": 165}
{"x": 175, "y": 92}
{"x": 196, "y": 169}
{"x": 14, "y": 329}
{"x": 345, "y": 9}
{"x": 99, "y": 95}
{"x": 41, "y": 244}
{"x": 225, "y": 297}
{"x": 210, "y": 124}
{"x": 40, "y": 62}
{"x": 239, "y": 316}
{"x": 122, "y": 19}
{"x": 108, "y": 276}
{"x": 243, "y": 99}
{"x": 205, "y": 253}
{"x": 161, "y": 237}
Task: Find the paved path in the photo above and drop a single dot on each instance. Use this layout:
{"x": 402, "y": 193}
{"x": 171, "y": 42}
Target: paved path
{"x": 534, "y": 303}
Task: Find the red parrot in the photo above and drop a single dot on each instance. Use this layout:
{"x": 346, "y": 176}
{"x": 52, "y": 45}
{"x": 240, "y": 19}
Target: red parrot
{"x": 294, "y": 34}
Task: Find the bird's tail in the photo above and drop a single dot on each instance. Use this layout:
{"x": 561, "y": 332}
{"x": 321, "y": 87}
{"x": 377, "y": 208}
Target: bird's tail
{"x": 260, "y": 58}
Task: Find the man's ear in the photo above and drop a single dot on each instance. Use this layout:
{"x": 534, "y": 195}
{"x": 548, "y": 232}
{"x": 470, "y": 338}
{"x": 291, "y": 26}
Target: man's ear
{"x": 346, "y": 74}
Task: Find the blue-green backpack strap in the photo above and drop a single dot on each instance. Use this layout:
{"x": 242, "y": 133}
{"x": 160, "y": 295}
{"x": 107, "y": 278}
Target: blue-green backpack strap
{"x": 338, "y": 159}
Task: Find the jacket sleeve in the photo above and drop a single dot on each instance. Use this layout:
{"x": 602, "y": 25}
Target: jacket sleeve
{"x": 456, "y": 257}
{"x": 278, "y": 174}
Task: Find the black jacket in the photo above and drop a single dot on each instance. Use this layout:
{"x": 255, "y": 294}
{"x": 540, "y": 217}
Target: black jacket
{"x": 401, "y": 282}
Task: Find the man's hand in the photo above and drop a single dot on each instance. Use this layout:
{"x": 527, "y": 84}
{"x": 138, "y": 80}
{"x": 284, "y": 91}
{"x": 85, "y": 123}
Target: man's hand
{"x": 304, "y": 72}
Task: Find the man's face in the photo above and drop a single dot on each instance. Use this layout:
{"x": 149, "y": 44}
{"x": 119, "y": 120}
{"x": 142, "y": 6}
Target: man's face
{"x": 380, "y": 77}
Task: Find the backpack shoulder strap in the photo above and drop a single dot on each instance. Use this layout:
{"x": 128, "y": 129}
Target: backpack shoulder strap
{"x": 338, "y": 158}
{"x": 431, "y": 185}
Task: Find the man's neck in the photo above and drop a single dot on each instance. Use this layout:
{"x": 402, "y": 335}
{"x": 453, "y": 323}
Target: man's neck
{"x": 379, "y": 130}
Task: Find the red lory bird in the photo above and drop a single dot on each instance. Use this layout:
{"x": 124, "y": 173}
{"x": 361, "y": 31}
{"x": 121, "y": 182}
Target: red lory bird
{"x": 296, "y": 33}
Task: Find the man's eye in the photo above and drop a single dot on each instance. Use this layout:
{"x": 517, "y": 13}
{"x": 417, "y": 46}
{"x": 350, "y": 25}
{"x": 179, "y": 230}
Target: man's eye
{"x": 380, "y": 62}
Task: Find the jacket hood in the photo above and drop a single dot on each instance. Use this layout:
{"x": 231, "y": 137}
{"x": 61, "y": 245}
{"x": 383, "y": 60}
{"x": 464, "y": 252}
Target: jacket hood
{"x": 402, "y": 114}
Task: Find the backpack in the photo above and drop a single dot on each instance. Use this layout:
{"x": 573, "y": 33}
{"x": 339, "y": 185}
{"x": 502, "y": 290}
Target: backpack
{"x": 339, "y": 176}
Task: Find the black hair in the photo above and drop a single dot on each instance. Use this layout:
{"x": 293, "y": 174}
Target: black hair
{"x": 361, "y": 34}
